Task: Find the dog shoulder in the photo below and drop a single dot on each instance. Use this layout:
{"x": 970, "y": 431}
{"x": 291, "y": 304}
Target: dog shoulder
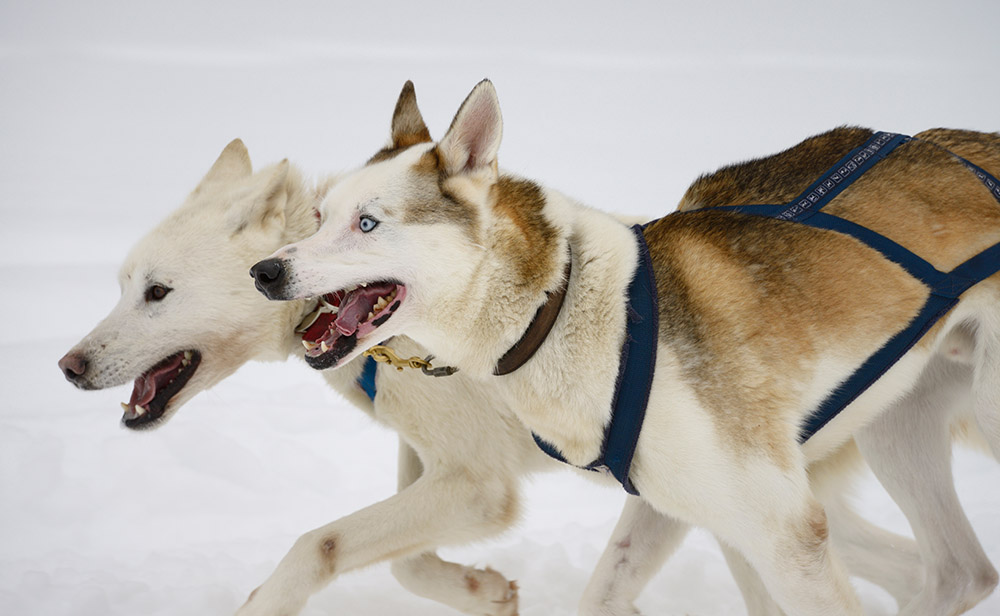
{"x": 773, "y": 179}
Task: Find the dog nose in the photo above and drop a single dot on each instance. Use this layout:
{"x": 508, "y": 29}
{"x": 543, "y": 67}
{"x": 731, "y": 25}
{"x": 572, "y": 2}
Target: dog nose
{"x": 73, "y": 365}
{"x": 268, "y": 276}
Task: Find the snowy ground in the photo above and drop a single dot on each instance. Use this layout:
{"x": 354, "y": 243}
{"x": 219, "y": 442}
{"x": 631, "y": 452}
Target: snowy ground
{"x": 113, "y": 110}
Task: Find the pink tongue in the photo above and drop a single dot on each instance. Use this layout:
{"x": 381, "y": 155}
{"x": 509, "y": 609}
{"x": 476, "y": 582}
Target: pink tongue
{"x": 357, "y": 305}
{"x": 144, "y": 388}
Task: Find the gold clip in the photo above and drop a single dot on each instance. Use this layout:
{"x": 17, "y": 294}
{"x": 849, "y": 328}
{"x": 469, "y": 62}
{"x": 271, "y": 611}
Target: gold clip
{"x": 384, "y": 355}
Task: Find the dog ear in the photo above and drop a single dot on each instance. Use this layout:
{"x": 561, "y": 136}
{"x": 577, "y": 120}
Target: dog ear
{"x": 263, "y": 202}
{"x": 408, "y": 126}
{"x": 232, "y": 164}
{"x": 473, "y": 140}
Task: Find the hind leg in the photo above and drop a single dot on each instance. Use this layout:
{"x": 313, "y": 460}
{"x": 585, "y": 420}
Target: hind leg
{"x": 909, "y": 449}
{"x": 875, "y": 554}
{"x": 641, "y": 542}
{"x": 755, "y": 595}
{"x": 986, "y": 380}
{"x": 791, "y": 552}
{"x": 763, "y": 507}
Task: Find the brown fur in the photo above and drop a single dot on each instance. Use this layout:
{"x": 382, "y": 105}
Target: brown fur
{"x": 425, "y": 200}
{"x": 529, "y": 242}
{"x": 983, "y": 149}
{"x": 772, "y": 288}
{"x": 328, "y": 553}
{"x": 773, "y": 179}
{"x": 528, "y": 239}
{"x": 408, "y": 128}
{"x": 814, "y": 532}
{"x": 511, "y": 508}
{"x": 713, "y": 268}
{"x": 949, "y": 215}
{"x": 471, "y": 583}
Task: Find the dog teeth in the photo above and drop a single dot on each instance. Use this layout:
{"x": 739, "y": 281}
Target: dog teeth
{"x": 139, "y": 411}
{"x": 309, "y": 345}
{"x": 309, "y": 320}
{"x": 323, "y": 346}
{"x": 188, "y": 355}
{"x": 326, "y": 306}
{"x": 125, "y": 407}
{"x": 381, "y": 303}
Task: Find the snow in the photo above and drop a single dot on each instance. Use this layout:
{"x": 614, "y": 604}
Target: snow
{"x": 113, "y": 110}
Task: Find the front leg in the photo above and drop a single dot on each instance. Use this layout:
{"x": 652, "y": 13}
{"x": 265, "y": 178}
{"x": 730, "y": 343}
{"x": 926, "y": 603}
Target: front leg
{"x": 641, "y": 542}
{"x": 439, "y": 508}
{"x": 482, "y": 592}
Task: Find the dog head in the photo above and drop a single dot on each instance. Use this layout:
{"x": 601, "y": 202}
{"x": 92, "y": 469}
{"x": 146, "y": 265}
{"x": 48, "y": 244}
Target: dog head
{"x": 187, "y": 316}
{"x": 408, "y": 239}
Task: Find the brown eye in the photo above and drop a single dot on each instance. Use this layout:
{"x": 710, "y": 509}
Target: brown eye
{"x": 156, "y": 292}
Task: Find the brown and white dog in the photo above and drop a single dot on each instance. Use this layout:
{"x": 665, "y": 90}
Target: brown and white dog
{"x": 468, "y": 254}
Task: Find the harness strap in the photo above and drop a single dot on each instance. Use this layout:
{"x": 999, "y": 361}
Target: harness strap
{"x": 841, "y": 175}
{"x": 988, "y": 180}
{"x": 945, "y": 287}
{"x": 366, "y": 380}
{"x": 635, "y": 375}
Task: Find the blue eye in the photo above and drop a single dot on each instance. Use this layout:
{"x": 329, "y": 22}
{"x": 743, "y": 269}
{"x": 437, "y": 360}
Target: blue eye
{"x": 366, "y": 223}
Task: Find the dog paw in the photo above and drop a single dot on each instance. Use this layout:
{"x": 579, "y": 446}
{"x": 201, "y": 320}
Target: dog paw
{"x": 493, "y": 594}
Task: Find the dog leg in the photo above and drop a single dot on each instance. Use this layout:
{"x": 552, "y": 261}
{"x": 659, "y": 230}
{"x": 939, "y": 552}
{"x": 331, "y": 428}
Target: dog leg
{"x": 889, "y": 560}
{"x": 640, "y": 543}
{"x": 782, "y": 531}
{"x": 986, "y": 380}
{"x": 758, "y": 600}
{"x": 909, "y": 449}
{"x": 437, "y": 509}
{"x": 886, "y": 559}
{"x": 466, "y": 589}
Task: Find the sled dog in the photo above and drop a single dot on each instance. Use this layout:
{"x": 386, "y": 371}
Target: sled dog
{"x": 171, "y": 307}
{"x": 760, "y": 319}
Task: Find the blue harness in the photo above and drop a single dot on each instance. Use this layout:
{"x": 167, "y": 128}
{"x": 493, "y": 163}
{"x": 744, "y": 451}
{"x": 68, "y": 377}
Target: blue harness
{"x": 638, "y": 357}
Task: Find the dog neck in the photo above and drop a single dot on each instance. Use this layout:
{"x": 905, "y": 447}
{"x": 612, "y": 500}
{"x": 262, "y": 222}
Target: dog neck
{"x": 539, "y": 328}
{"x": 584, "y": 344}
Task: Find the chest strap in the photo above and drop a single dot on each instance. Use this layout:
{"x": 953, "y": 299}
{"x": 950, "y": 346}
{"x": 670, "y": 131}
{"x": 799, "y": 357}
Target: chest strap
{"x": 635, "y": 375}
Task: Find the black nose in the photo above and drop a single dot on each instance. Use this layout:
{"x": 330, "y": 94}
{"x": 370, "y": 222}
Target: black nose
{"x": 73, "y": 365}
{"x": 269, "y": 276}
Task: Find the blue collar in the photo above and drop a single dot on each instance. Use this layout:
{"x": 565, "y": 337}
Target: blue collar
{"x": 366, "y": 380}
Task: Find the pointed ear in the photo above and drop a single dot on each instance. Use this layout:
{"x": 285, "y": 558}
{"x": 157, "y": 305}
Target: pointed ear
{"x": 263, "y": 202}
{"x": 473, "y": 140}
{"x": 408, "y": 126}
{"x": 232, "y": 164}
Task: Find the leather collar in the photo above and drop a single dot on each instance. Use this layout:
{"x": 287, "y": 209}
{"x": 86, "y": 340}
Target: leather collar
{"x": 517, "y": 355}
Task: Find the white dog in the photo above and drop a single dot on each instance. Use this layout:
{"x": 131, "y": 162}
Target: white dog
{"x": 759, "y": 321}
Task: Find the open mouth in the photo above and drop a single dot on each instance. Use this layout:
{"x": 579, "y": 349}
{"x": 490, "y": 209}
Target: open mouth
{"x": 343, "y": 317}
{"x": 154, "y": 388}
